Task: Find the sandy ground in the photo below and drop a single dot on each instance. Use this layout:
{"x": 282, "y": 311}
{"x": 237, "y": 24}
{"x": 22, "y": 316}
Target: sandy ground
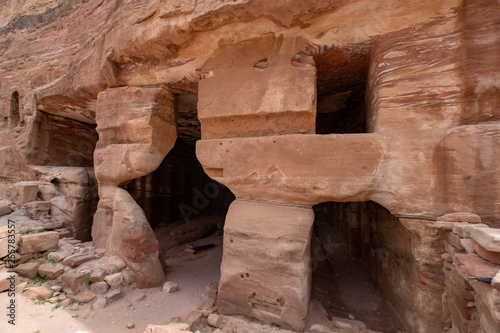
{"x": 192, "y": 272}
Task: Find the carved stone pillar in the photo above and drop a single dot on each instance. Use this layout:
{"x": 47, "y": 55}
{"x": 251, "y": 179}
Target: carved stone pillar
{"x": 428, "y": 285}
{"x": 137, "y": 128}
{"x": 266, "y": 266}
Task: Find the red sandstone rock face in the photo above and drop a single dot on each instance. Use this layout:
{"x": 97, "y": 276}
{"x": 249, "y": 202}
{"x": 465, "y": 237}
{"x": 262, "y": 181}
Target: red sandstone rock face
{"x": 432, "y": 104}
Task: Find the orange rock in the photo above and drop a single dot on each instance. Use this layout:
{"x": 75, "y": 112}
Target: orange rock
{"x": 460, "y": 217}
{"x": 493, "y": 257}
{"x": 478, "y": 267}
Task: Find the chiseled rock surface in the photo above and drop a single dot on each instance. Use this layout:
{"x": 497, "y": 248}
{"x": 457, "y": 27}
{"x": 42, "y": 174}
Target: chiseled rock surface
{"x": 488, "y": 238}
{"x": 265, "y": 100}
{"x": 50, "y": 271}
{"x": 73, "y": 283}
{"x": 24, "y": 192}
{"x": 29, "y": 269}
{"x": 40, "y": 242}
{"x": 138, "y": 126}
{"x": 135, "y": 125}
{"x": 274, "y": 275}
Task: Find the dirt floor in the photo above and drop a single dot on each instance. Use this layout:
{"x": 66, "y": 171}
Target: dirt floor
{"x": 344, "y": 287}
{"x": 192, "y": 272}
{"x": 195, "y": 274}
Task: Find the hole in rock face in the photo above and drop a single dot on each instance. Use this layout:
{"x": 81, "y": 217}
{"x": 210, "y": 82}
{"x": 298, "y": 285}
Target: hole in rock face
{"x": 260, "y": 65}
{"x": 14, "y": 109}
{"x": 360, "y": 256}
{"x": 341, "y": 83}
{"x": 60, "y": 141}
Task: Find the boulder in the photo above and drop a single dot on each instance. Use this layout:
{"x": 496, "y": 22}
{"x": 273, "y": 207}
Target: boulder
{"x": 54, "y": 225}
{"x": 114, "y": 295}
{"x": 169, "y": 287}
{"x": 73, "y": 283}
{"x": 29, "y": 269}
{"x": 488, "y": 238}
{"x": 49, "y": 271}
{"x": 128, "y": 277}
{"x": 8, "y": 280}
{"x": 490, "y": 256}
{"x": 99, "y": 303}
{"x": 59, "y": 255}
{"x": 85, "y": 296}
{"x": 38, "y": 293}
{"x": 41, "y": 242}
{"x": 478, "y": 267}
{"x": 5, "y": 208}
{"x": 115, "y": 280}
{"x": 36, "y": 209}
{"x": 24, "y": 192}
{"x": 249, "y": 283}
{"x": 464, "y": 229}
{"x": 78, "y": 260}
{"x": 97, "y": 275}
{"x": 99, "y": 288}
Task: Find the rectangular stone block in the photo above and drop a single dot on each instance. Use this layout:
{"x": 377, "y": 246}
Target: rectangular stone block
{"x": 5, "y": 208}
{"x": 24, "y": 192}
{"x": 488, "y": 238}
{"x": 477, "y": 267}
{"x": 464, "y": 229}
{"x": 467, "y": 244}
{"x": 36, "y": 209}
{"x": 493, "y": 257}
{"x": 258, "y": 98}
{"x": 40, "y": 242}
{"x": 271, "y": 281}
{"x": 451, "y": 250}
{"x": 73, "y": 283}
{"x": 454, "y": 240}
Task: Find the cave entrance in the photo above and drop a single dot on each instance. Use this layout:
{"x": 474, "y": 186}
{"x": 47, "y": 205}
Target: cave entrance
{"x": 62, "y": 149}
{"x": 342, "y": 73}
{"x": 360, "y": 255}
{"x": 182, "y": 204}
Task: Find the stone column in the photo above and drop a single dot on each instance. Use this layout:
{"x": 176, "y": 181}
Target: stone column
{"x": 266, "y": 267}
{"x": 137, "y": 128}
{"x": 256, "y": 89}
{"x": 428, "y": 286}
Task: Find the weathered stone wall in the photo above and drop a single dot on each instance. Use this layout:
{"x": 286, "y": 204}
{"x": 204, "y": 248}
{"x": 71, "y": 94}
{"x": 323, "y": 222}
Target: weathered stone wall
{"x": 471, "y": 266}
